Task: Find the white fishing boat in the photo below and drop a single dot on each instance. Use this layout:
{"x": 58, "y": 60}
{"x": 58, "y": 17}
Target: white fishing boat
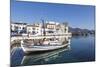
{"x": 44, "y": 46}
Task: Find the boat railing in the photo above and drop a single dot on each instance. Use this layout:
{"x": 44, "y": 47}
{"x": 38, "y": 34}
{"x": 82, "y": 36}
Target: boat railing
{"x": 32, "y": 45}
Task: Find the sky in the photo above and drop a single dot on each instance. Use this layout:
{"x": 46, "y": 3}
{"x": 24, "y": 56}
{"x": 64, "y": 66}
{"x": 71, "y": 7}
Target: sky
{"x": 80, "y": 16}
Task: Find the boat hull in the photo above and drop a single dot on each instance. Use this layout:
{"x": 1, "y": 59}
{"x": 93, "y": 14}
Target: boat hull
{"x": 41, "y": 48}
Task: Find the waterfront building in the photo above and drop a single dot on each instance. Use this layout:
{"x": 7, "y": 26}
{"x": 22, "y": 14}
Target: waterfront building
{"x": 30, "y": 29}
{"x": 49, "y": 28}
{"x": 34, "y": 29}
{"x": 18, "y": 28}
{"x": 53, "y": 28}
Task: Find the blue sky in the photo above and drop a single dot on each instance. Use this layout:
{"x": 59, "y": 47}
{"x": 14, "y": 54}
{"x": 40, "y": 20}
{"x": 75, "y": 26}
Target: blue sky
{"x": 76, "y": 15}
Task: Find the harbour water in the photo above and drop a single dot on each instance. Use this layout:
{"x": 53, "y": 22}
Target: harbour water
{"x": 81, "y": 49}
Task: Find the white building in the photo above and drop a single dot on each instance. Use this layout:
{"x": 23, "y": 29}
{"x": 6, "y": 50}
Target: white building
{"x": 55, "y": 28}
{"x": 35, "y": 29}
{"x": 49, "y": 28}
{"x": 18, "y": 27}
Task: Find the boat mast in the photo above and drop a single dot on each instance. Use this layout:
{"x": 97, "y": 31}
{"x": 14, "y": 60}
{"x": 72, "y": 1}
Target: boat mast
{"x": 44, "y": 33}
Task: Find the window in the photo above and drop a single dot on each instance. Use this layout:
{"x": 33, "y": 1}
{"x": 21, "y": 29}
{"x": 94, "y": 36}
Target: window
{"x": 33, "y": 28}
{"x": 23, "y": 28}
{"x": 19, "y": 27}
{"x": 50, "y": 32}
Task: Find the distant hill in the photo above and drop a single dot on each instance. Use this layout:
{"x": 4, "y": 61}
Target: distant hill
{"x": 79, "y": 31}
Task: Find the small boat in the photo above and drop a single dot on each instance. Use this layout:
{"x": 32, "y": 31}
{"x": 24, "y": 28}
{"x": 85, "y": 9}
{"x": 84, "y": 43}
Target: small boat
{"x": 44, "y": 46}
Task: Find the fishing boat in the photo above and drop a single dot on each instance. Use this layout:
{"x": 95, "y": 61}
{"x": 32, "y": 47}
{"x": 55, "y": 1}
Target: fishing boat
{"x": 43, "y": 46}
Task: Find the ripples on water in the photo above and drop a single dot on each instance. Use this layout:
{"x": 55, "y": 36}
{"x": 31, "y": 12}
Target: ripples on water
{"x": 81, "y": 49}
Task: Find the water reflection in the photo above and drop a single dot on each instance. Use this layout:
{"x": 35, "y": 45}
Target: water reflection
{"x": 80, "y": 50}
{"x": 41, "y": 58}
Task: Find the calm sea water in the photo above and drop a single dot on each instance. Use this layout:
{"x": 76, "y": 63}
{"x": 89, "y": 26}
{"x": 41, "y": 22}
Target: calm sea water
{"x": 81, "y": 49}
